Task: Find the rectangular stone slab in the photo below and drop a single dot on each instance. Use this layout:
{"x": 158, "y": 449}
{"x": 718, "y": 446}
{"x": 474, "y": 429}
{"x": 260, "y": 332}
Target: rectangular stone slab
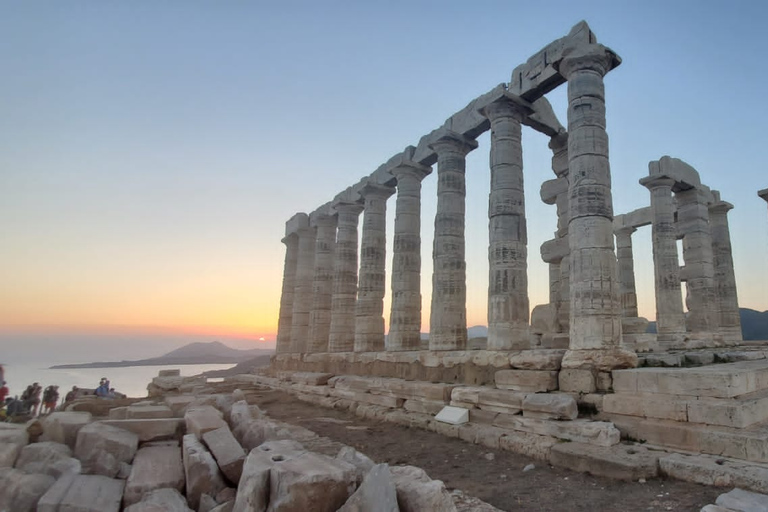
{"x": 453, "y": 415}
{"x": 716, "y": 381}
{"x": 715, "y": 470}
{"x": 152, "y": 429}
{"x": 526, "y": 380}
{"x": 92, "y": 493}
{"x": 154, "y": 467}
{"x": 623, "y": 462}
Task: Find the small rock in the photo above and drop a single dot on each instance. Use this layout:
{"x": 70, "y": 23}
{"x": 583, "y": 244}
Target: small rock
{"x": 642, "y": 481}
{"x": 529, "y": 467}
{"x": 489, "y": 456}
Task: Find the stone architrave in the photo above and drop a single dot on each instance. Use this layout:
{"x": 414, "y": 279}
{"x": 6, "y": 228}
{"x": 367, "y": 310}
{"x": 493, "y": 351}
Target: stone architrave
{"x": 725, "y": 279}
{"x": 405, "y": 316}
{"x": 302, "y": 295}
{"x": 322, "y": 286}
{"x": 508, "y": 304}
{"x": 595, "y": 327}
{"x": 448, "y": 316}
{"x": 670, "y": 318}
{"x": 369, "y": 310}
{"x": 344, "y": 296}
{"x": 626, "y": 268}
{"x": 702, "y": 320}
{"x": 285, "y": 319}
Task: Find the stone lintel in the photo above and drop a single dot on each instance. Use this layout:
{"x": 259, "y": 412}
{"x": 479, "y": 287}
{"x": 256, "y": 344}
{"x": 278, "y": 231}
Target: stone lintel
{"x": 763, "y": 193}
{"x": 720, "y": 207}
{"x": 444, "y": 135}
{"x": 322, "y": 215}
{"x": 297, "y": 222}
{"x": 634, "y": 219}
{"x": 553, "y": 251}
{"x": 550, "y": 189}
{"x": 655, "y": 180}
{"x": 372, "y": 189}
{"x": 408, "y": 167}
{"x": 684, "y": 174}
{"x": 502, "y": 97}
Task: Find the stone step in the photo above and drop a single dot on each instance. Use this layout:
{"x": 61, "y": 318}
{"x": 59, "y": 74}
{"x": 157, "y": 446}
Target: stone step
{"x": 621, "y": 461}
{"x": 715, "y": 381}
{"x": 750, "y": 444}
{"x": 715, "y": 470}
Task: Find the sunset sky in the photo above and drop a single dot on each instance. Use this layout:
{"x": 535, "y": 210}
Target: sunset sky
{"x": 151, "y": 152}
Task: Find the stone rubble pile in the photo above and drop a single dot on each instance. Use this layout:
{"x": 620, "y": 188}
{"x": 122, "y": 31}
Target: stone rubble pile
{"x": 205, "y": 453}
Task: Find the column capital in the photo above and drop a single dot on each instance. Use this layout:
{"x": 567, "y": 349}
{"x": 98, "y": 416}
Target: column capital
{"x": 289, "y": 238}
{"x": 322, "y": 219}
{"x": 412, "y": 169}
{"x": 658, "y": 181}
{"x": 624, "y": 231}
{"x": 507, "y": 105}
{"x": 449, "y": 141}
{"x": 763, "y": 193}
{"x": 348, "y": 207}
{"x": 720, "y": 207}
{"x": 592, "y": 57}
{"x": 375, "y": 191}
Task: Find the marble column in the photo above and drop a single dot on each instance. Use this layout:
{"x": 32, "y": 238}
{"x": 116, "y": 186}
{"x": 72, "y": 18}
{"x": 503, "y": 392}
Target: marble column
{"x": 302, "y": 295}
{"x": 626, "y": 267}
{"x": 595, "y": 327}
{"x": 725, "y": 279}
{"x": 448, "y": 316}
{"x": 322, "y": 286}
{"x": 369, "y": 310}
{"x": 344, "y": 296}
{"x": 670, "y": 317}
{"x": 699, "y": 272}
{"x": 405, "y": 316}
{"x": 508, "y": 307}
{"x": 285, "y": 319}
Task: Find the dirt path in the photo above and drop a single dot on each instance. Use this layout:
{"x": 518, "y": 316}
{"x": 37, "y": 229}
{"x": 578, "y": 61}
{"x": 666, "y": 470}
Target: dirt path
{"x": 495, "y": 476}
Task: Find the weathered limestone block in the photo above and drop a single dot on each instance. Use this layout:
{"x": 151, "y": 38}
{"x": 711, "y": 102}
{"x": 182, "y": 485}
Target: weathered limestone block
{"x": 550, "y": 406}
{"x": 355, "y": 383}
{"x": 739, "y": 413}
{"x": 310, "y": 378}
{"x": 62, "y": 427}
{"x": 376, "y": 494}
{"x": 500, "y": 400}
{"x": 537, "y": 359}
{"x": 118, "y": 413}
{"x": 161, "y": 500}
{"x": 663, "y": 360}
{"x": 201, "y": 472}
{"x": 423, "y": 406}
{"x": 202, "y": 419}
{"x": 416, "y": 492}
{"x": 532, "y": 445}
{"x": 12, "y": 440}
{"x": 142, "y": 412}
{"x": 715, "y": 470}
{"x": 253, "y": 491}
{"x": 360, "y": 461}
{"x": 154, "y": 467}
{"x": 526, "y": 380}
{"x": 577, "y": 381}
{"x": 368, "y": 398}
{"x": 48, "y": 458}
{"x": 599, "y": 433}
{"x": 93, "y": 493}
{"x": 150, "y": 430}
{"x": 20, "y": 492}
{"x": 415, "y": 389}
{"x": 739, "y": 499}
{"x": 101, "y": 448}
{"x": 647, "y": 405}
{"x": 50, "y": 501}
{"x": 178, "y": 404}
{"x": 622, "y": 462}
{"x": 239, "y": 416}
{"x": 468, "y": 394}
{"x": 228, "y": 453}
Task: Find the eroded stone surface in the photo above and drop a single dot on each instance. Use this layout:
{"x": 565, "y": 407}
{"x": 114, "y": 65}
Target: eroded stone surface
{"x": 102, "y": 448}
{"x": 160, "y": 500}
{"x": 48, "y": 458}
{"x": 376, "y": 494}
{"x": 154, "y": 467}
{"x": 202, "y": 474}
{"x": 93, "y": 493}
{"x": 228, "y": 453}
{"x": 416, "y": 492}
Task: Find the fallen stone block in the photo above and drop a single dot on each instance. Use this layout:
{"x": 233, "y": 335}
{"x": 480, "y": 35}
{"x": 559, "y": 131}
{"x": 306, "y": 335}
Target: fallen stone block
{"x": 102, "y": 448}
{"x": 623, "y": 462}
{"x": 178, "y": 404}
{"x": 453, "y": 415}
{"x": 12, "y": 440}
{"x": 526, "y": 380}
{"x": 150, "y": 430}
{"x": 416, "y": 492}
{"x": 254, "y": 433}
{"x": 155, "y": 467}
{"x": 311, "y": 481}
{"x": 550, "y": 406}
{"x": 202, "y": 474}
{"x": 537, "y": 359}
{"x": 361, "y": 462}
{"x": 161, "y": 500}
{"x": 377, "y": 493}
{"x": 145, "y": 412}
{"x": 741, "y": 500}
{"x": 50, "y": 501}
{"x": 240, "y": 414}
{"x": 93, "y": 493}
{"x": 228, "y": 453}
{"x": 253, "y": 492}
{"x": 62, "y": 427}
{"x": 48, "y": 458}
{"x": 118, "y": 413}
{"x": 202, "y": 419}
{"x": 532, "y": 445}
{"x": 600, "y": 433}
{"x": 715, "y": 470}
{"x": 20, "y": 492}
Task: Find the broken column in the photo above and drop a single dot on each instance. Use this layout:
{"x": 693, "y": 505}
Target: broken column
{"x": 725, "y": 279}
{"x": 322, "y": 286}
{"x": 448, "y": 317}
{"x": 670, "y": 318}
{"x": 405, "y": 316}
{"x": 291, "y": 241}
{"x": 507, "y": 251}
{"x": 626, "y": 269}
{"x": 693, "y": 223}
{"x": 369, "y": 311}
{"x": 595, "y": 330}
{"x": 344, "y": 297}
{"x": 302, "y": 295}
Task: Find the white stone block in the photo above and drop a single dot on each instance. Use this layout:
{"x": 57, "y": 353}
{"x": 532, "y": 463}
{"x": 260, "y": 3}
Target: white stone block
{"x": 453, "y": 415}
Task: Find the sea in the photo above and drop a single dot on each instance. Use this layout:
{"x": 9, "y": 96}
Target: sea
{"x": 130, "y": 380}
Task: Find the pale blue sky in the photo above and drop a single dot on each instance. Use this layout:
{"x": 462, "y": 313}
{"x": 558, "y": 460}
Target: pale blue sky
{"x": 150, "y": 152}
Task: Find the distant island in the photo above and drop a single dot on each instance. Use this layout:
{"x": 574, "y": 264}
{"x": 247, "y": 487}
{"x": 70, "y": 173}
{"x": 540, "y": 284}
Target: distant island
{"x": 213, "y": 352}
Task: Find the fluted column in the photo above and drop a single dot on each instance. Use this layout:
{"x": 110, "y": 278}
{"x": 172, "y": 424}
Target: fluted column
{"x": 448, "y": 315}
{"x": 626, "y": 268}
{"x": 369, "y": 311}
{"x": 344, "y": 297}
{"x": 302, "y": 295}
{"x": 508, "y": 307}
{"x": 725, "y": 279}
{"x": 405, "y": 316}
{"x": 283, "y": 343}
{"x": 322, "y": 286}
{"x": 670, "y": 318}
{"x": 595, "y": 327}
{"x": 693, "y": 224}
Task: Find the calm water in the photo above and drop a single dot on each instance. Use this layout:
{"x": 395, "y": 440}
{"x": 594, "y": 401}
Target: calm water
{"x": 131, "y": 380}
